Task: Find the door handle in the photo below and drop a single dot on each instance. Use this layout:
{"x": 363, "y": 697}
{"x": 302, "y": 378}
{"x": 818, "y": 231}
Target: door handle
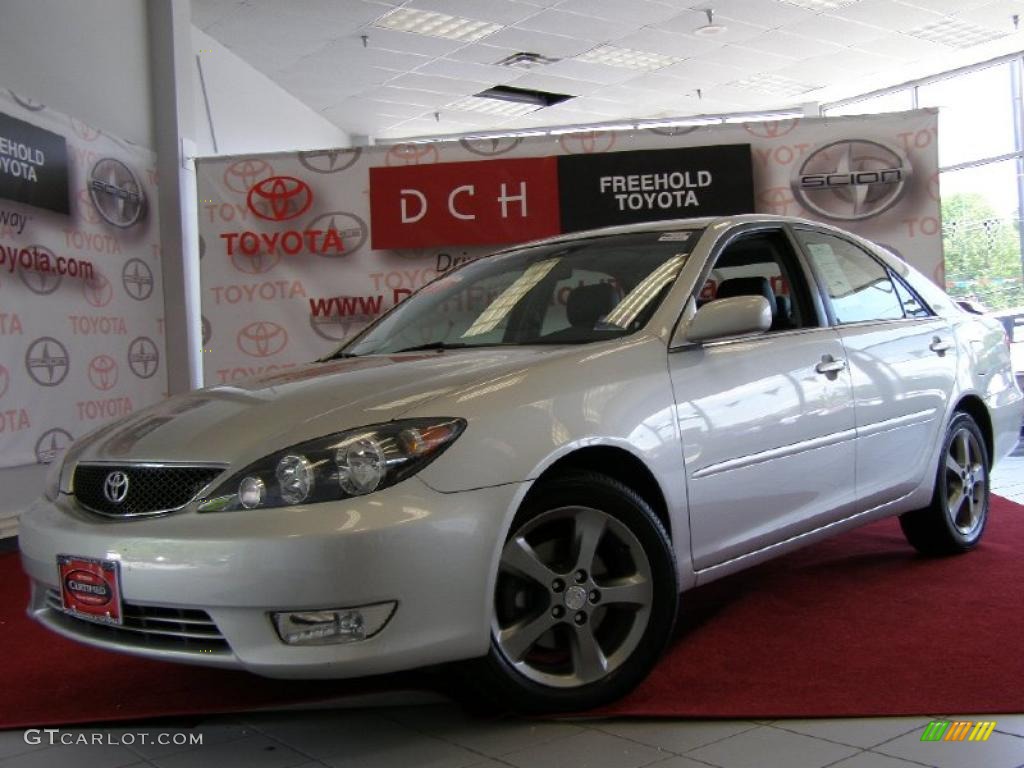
{"x": 940, "y": 347}
{"x": 830, "y": 366}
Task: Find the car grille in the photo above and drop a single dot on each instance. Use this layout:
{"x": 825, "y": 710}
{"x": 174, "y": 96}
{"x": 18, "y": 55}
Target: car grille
{"x": 151, "y": 489}
{"x": 145, "y": 626}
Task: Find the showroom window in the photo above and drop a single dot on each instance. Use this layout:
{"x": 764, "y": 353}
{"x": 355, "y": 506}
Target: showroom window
{"x": 981, "y": 179}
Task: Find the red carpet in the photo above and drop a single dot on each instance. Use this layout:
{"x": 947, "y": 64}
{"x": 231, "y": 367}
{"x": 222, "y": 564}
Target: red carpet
{"x": 859, "y": 625}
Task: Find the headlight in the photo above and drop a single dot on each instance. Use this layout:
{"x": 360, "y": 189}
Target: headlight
{"x": 344, "y": 464}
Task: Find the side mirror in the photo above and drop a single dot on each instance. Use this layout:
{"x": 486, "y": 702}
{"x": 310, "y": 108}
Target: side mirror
{"x": 732, "y": 316}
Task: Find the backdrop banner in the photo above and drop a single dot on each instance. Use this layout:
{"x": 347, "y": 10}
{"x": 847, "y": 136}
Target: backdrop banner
{"x": 290, "y": 267}
{"x": 81, "y": 308}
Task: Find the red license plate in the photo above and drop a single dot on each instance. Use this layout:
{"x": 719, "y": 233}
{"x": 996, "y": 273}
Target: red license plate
{"x": 90, "y": 589}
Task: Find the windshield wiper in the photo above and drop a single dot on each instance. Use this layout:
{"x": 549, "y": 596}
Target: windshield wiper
{"x": 337, "y": 356}
{"x": 438, "y": 345}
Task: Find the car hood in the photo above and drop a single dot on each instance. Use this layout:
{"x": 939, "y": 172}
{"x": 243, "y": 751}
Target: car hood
{"x": 246, "y": 420}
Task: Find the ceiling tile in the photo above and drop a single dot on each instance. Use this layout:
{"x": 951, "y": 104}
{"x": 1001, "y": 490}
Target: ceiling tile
{"x": 747, "y": 58}
{"x": 633, "y": 13}
{"x": 578, "y": 24}
{"x": 469, "y": 71}
{"x": 996, "y": 15}
{"x": 668, "y": 43}
{"x": 887, "y": 14}
{"x": 421, "y": 82}
{"x": 902, "y": 47}
{"x": 701, "y": 73}
{"x": 585, "y": 70}
{"x": 945, "y": 6}
{"x": 557, "y": 46}
{"x": 786, "y": 44}
{"x": 835, "y": 30}
{"x": 343, "y": 15}
{"x": 496, "y": 11}
{"x": 554, "y": 84}
{"x": 408, "y": 96}
{"x": 339, "y": 55}
{"x": 758, "y": 12}
{"x": 735, "y": 31}
{"x": 409, "y": 42}
{"x": 481, "y": 53}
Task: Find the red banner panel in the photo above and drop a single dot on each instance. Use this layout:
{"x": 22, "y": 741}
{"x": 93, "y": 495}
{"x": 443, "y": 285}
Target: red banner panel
{"x": 476, "y": 203}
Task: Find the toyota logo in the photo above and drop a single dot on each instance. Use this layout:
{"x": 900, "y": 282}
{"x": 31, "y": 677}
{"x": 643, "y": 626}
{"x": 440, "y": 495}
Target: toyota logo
{"x": 85, "y": 130}
{"x": 51, "y": 444}
{"x": 411, "y": 154}
{"x": 280, "y": 198}
{"x": 587, "y": 142}
{"x": 262, "y": 339}
{"x": 137, "y": 278}
{"x": 499, "y": 145}
{"x": 103, "y": 372}
{"x": 143, "y": 357}
{"x": 350, "y": 228}
{"x": 852, "y": 179}
{"x": 47, "y": 362}
{"x": 334, "y": 327}
{"x": 116, "y": 192}
{"x": 256, "y": 263}
{"x": 242, "y": 174}
{"x": 771, "y": 129}
{"x": 37, "y": 281}
{"x": 97, "y": 290}
{"x": 115, "y": 487}
{"x": 330, "y": 160}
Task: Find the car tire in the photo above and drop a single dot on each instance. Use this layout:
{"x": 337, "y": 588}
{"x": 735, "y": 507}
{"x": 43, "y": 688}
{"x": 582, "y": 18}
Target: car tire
{"x": 955, "y": 520}
{"x": 585, "y": 598}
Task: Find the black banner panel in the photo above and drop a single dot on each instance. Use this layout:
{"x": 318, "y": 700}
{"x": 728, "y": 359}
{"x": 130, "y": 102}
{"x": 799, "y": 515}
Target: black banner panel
{"x": 33, "y": 165}
{"x": 601, "y": 190}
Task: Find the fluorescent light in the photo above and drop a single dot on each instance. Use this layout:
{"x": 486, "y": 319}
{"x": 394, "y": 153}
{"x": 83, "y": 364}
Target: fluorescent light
{"x": 820, "y": 5}
{"x": 492, "y": 106}
{"x": 774, "y": 85}
{"x": 762, "y": 117}
{"x": 956, "y": 33}
{"x": 679, "y": 123}
{"x": 627, "y": 58}
{"x": 436, "y": 25}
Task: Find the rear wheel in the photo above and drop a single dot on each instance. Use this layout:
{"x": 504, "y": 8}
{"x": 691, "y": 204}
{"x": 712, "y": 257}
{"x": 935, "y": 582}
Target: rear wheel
{"x": 956, "y": 517}
{"x": 585, "y": 599}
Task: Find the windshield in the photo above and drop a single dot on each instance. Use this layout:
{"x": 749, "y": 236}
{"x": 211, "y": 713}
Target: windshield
{"x": 564, "y": 293}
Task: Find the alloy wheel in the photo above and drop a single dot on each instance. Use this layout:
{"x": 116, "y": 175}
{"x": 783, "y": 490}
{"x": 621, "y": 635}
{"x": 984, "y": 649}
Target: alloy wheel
{"x": 573, "y": 598}
{"x": 966, "y": 482}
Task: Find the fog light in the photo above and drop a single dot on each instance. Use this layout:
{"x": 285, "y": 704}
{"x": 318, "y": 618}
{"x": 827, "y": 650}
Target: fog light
{"x": 337, "y": 625}
{"x": 251, "y": 491}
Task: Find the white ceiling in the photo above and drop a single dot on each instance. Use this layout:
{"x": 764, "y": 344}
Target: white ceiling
{"x": 394, "y": 85}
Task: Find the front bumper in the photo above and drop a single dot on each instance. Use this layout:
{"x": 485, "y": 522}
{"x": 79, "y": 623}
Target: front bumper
{"x": 433, "y": 553}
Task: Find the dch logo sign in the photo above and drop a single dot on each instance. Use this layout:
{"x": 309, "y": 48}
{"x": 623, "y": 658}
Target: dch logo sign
{"x": 475, "y": 203}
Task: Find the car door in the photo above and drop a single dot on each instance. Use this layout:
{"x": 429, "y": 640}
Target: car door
{"x": 902, "y": 361}
{"x": 766, "y": 422}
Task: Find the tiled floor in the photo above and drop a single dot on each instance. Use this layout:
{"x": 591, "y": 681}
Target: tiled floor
{"x": 389, "y": 734}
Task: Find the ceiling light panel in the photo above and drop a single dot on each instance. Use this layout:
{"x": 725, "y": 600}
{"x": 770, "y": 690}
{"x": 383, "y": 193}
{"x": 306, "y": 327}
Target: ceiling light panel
{"x": 955, "y": 33}
{"x": 436, "y": 25}
{"x": 493, "y": 106}
{"x": 773, "y": 85}
{"x": 820, "y": 5}
{"x": 627, "y": 58}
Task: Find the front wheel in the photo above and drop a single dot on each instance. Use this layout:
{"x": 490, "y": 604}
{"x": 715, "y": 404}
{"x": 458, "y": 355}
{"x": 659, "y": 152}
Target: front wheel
{"x": 585, "y": 599}
{"x": 956, "y": 517}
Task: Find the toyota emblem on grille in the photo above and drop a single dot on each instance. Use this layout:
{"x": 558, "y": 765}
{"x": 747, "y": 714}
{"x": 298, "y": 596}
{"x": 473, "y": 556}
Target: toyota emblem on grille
{"x": 115, "y": 487}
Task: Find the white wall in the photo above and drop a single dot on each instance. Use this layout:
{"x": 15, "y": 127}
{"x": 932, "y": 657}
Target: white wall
{"x": 249, "y": 111}
{"x": 86, "y": 58}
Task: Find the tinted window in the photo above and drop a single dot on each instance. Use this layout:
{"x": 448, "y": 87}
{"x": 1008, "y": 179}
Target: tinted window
{"x": 912, "y": 306}
{"x": 859, "y": 286}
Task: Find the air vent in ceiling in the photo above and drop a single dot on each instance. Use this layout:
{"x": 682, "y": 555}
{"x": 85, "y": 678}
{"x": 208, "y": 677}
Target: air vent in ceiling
{"x": 526, "y": 60}
{"x": 524, "y": 96}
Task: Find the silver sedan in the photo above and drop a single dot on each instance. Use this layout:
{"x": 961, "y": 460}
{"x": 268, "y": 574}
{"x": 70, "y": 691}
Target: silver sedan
{"x": 522, "y": 466}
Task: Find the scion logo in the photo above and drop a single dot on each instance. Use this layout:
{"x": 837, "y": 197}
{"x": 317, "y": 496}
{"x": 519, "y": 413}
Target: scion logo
{"x": 51, "y": 444}
{"x": 29, "y": 104}
{"x": 255, "y": 264}
{"x": 103, "y": 372}
{"x": 771, "y": 129}
{"x": 330, "y": 160}
{"x": 85, "y": 131}
{"x": 587, "y": 142}
{"x": 5, "y": 380}
{"x": 38, "y": 281}
{"x": 852, "y": 179}
{"x": 143, "y": 357}
{"x": 98, "y": 291}
{"x": 411, "y": 154}
{"x": 279, "y": 198}
{"x": 47, "y": 361}
{"x": 137, "y": 278}
{"x": 116, "y": 192}
{"x": 241, "y": 175}
{"x": 262, "y": 339}
{"x": 351, "y": 229}
{"x": 490, "y": 147}
{"x": 115, "y": 487}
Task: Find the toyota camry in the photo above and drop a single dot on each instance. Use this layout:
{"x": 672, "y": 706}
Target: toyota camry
{"x": 522, "y": 466}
